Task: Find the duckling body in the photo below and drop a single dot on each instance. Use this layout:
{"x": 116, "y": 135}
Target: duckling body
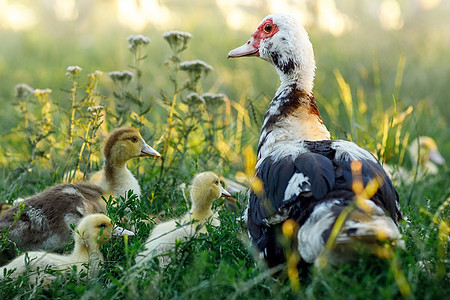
{"x": 44, "y": 223}
{"x": 204, "y": 190}
{"x": 92, "y": 231}
{"x": 122, "y": 145}
{"x": 424, "y": 153}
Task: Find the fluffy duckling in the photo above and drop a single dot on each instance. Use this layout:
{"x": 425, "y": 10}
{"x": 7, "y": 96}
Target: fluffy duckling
{"x": 122, "y": 145}
{"x": 45, "y": 218}
{"x": 205, "y": 188}
{"x": 429, "y": 156}
{"x": 92, "y": 231}
{"x": 424, "y": 151}
{"x": 4, "y": 207}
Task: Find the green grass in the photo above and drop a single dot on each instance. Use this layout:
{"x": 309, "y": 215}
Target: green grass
{"x": 365, "y": 79}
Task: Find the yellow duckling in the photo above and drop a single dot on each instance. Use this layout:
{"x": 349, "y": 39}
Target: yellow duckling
{"x": 205, "y": 188}
{"x": 122, "y": 145}
{"x": 92, "y": 231}
{"x": 424, "y": 151}
{"x": 429, "y": 156}
{"x": 4, "y": 207}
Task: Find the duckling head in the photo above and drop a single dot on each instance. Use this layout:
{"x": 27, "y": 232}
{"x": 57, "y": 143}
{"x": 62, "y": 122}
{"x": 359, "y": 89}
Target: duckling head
{"x": 205, "y": 188}
{"x": 96, "y": 229}
{"x": 124, "y": 144}
{"x": 426, "y": 151}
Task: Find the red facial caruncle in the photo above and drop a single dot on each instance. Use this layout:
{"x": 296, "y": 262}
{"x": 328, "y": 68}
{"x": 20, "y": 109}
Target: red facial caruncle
{"x": 264, "y": 31}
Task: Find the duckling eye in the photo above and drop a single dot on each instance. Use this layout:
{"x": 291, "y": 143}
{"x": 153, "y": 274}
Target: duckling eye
{"x": 103, "y": 225}
{"x": 268, "y": 28}
{"x": 217, "y": 182}
{"x": 134, "y": 139}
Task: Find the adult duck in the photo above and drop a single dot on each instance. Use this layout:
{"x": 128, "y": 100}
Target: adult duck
{"x": 308, "y": 179}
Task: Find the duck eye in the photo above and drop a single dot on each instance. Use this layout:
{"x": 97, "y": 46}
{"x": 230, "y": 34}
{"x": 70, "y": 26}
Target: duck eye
{"x": 268, "y": 28}
{"x": 134, "y": 139}
{"x": 217, "y": 182}
{"x": 103, "y": 225}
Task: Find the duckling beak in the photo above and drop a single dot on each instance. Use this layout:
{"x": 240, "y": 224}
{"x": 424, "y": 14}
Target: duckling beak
{"x": 224, "y": 193}
{"x": 436, "y": 157}
{"x": 122, "y": 231}
{"x": 149, "y": 151}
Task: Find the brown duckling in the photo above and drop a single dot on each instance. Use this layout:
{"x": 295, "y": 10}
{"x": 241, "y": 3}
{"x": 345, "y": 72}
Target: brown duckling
{"x": 45, "y": 219}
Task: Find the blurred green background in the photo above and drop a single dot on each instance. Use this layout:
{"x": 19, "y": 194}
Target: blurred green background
{"x": 382, "y": 48}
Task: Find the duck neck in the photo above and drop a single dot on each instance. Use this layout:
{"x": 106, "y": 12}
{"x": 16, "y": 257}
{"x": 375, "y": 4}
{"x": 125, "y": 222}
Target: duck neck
{"x": 293, "y": 115}
{"x": 85, "y": 247}
{"x": 201, "y": 209}
{"x": 115, "y": 170}
{"x": 302, "y": 79}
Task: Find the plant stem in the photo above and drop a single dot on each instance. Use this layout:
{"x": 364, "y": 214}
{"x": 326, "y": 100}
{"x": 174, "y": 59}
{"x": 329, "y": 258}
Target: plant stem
{"x": 72, "y": 114}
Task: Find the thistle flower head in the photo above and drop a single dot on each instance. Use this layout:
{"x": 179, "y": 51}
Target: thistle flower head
{"x": 195, "y": 67}
{"x": 177, "y": 40}
{"x": 73, "y": 71}
{"x": 121, "y": 77}
{"x": 22, "y": 91}
{"x": 134, "y": 41}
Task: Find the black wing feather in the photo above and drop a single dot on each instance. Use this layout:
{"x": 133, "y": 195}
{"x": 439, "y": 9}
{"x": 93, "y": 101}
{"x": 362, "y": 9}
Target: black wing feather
{"x": 320, "y": 171}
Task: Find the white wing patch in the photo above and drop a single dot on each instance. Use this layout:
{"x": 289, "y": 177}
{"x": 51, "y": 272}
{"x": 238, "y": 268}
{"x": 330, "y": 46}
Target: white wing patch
{"x": 71, "y": 191}
{"x": 277, "y": 218}
{"x": 294, "y": 186}
{"x": 350, "y": 151}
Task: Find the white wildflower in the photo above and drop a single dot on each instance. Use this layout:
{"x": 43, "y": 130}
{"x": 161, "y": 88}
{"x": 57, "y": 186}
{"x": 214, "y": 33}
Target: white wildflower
{"x": 195, "y": 67}
{"x": 73, "y": 71}
{"x": 39, "y": 92}
{"x": 137, "y": 40}
{"x": 97, "y": 74}
{"x": 123, "y": 77}
{"x": 23, "y": 90}
{"x": 214, "y": 99}
{"x": 195, "y": 99}
{"x": 177, "y": 39}
{"x": 94, "y": 108}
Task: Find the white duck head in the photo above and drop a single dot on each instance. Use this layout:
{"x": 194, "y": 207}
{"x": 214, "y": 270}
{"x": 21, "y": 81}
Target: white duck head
{"x": 284, "y": 43}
